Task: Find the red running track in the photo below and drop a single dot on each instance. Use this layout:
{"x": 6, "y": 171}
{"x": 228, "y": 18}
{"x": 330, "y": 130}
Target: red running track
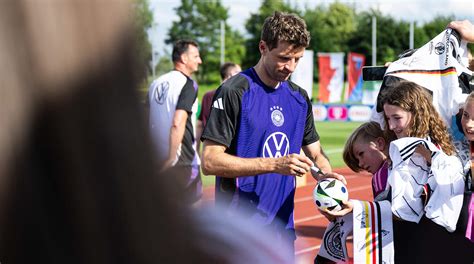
{"x": 309, "y": 223}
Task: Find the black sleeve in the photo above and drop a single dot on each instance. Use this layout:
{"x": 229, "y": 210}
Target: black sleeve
{"x": 187, "y": 97}
{"x": 224, "y": 117}
{"x": 310, "y": 133}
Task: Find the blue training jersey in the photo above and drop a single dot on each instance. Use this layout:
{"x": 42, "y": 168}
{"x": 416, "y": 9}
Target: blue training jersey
{"x": 254, "y": 120}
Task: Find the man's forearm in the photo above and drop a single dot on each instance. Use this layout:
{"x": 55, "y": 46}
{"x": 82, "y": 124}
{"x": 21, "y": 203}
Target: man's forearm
{"x": 216, "y": 162}
{"x": 178, "y": 126}
{"x": 176, "y": 137}
{"x": 230, "y": 166}
{"x": 322, "y": 162}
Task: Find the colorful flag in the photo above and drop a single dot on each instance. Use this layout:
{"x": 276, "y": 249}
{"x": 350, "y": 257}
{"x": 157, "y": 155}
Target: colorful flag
{"x": 355, "y": 62}
{"x": 331, "y": 76}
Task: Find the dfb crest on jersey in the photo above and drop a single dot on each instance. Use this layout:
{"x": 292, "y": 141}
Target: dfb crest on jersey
{"x": 161, "y": 91}
{"x": 276, "y": 145}
{"x": 277, "y": 116}
{"x": 439, "y": 48}
{"x": 333, "y": 241}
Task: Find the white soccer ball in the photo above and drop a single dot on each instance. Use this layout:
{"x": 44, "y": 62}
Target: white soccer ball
{"x": 329, "y": 194}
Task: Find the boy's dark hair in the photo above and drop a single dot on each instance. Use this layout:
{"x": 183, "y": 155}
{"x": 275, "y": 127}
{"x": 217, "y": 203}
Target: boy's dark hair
{"x": 180, "y": 47}
{"x": 285, "y": 27}
{"x": 367, "y": 132}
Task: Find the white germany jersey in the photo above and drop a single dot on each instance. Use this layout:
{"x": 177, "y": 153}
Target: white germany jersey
{"x": 169, "y": 92}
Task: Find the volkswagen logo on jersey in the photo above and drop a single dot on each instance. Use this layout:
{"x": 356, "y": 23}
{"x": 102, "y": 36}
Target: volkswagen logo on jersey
{"x": 276, "y": 145}
{"x": 161, "y": 91}
{"x": 277, "y": 116}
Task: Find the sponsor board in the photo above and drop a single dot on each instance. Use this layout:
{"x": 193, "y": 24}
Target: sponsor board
{"x": 342, "y": 113}
{"x": 320, "y": 113}
{"x": 337, "y": 113}
{"x": 360, "y": 113}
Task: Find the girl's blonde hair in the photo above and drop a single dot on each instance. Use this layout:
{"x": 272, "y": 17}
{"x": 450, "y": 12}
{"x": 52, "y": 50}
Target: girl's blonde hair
{"x": 425, "y": 120}
{"x": 365, "y": 133}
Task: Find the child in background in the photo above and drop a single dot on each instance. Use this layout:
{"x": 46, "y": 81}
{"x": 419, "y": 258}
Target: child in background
{"x": 366, "y": 149}
{"x": 466, "y": 221}
{"x": 409, "y": 112}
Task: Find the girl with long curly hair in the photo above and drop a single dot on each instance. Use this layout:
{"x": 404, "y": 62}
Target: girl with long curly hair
{"x": 409, "y": 112}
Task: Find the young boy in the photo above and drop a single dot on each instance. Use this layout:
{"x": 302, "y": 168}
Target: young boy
{"x": 367, "y": 149}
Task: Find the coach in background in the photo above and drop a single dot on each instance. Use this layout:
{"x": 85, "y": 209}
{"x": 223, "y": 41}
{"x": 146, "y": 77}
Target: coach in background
{"x": 173, "y": 106}
{"x": 258, "y": 124}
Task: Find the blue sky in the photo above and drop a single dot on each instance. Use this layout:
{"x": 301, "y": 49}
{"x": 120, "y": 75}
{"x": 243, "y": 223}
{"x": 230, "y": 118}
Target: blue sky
{"x": 239, "y": 11}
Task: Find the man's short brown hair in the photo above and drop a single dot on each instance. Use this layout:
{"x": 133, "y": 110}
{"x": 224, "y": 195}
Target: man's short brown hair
{"x": 285, "y": 27}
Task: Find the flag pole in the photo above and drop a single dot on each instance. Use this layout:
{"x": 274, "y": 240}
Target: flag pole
{"x": 374, "y": 41}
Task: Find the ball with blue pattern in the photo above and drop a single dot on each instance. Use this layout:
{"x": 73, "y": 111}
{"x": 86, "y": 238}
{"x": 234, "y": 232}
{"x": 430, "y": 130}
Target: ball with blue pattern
{"x": 329, "y": 194}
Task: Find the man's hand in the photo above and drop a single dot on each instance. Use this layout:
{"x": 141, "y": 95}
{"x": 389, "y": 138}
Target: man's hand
{"x": 336, "y": 176}
{"x": 294, "y": 164}
{"x": 425, "y": 153}
{"x": 347, "y": 207}
{"x": 465, "y": 28}
{"x": 319, "y": 175}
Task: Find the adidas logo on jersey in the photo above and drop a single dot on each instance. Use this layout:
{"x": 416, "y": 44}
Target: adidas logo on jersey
{"x": 218, "y": 104}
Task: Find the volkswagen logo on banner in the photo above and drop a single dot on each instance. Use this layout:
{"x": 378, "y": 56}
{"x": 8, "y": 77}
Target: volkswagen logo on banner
{"x": 276, "y": 145}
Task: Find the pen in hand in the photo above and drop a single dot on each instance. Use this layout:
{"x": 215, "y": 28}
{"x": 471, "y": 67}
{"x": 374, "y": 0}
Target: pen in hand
{"x": 316, "y": 172}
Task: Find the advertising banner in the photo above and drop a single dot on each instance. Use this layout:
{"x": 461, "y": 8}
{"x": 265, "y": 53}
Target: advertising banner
{"x": 342, "y": 112}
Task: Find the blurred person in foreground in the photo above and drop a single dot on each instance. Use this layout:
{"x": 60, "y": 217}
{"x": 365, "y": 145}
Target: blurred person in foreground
{"x": 173, "y": 107}
{"x": 77, "y": 180}
{"x": 258, "y": 124}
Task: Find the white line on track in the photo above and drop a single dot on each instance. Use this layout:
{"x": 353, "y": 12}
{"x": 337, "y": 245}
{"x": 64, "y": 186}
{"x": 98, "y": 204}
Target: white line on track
{"x": 306, "y": 250}
{"x": 309, "y": 249}
{"x": 307, "y": 198}
{"x": 318, "y": 215}
{"x": 305, "y": 219}
{"x": 331, "y": 151}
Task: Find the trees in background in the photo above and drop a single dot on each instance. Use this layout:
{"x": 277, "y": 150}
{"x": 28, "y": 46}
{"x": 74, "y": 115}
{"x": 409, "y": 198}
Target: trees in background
{"x": 334, "y": 37}
{"x": 336, "y": 27}
{"x": 338, "y": 20}
{"x": 392, "y": 36}
{"x": 431, "y": 29}
{"x": 200, "y": 20}
{"x": 143, "y": 22}
{"x": 254, "y": 28}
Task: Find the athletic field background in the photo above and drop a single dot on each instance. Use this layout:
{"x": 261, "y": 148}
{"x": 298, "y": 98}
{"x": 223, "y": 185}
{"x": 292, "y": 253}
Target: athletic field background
{"x": 333, "y": 136}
